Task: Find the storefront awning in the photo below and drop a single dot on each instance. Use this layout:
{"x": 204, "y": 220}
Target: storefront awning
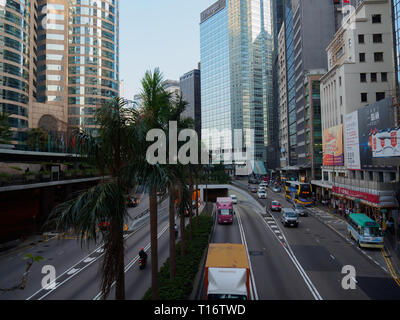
{"x": 258, "y": 167}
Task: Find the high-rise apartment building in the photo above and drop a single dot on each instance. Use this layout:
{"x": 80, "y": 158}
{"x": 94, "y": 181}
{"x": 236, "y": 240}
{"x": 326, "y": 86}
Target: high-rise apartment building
{"x": 356, "y": 100}
{"x": 396, "y": 40}
{"x": 191, "y": 93}
{"x": 236, "y": 73}
{"x": 67, "y": 56}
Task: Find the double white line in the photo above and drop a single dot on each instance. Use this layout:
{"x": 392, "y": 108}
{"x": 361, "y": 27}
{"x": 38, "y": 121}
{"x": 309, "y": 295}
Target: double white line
{"x": 296, "y": 263}
{"x": 253, "y": 291}
{"x": 134, "y": 260}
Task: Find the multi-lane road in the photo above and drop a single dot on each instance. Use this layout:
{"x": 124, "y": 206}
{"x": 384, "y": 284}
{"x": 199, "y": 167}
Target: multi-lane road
{"x": 303, "y": 263}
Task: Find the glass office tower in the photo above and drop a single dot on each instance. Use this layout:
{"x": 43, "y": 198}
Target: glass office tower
{"x": 396, "y": 35}
{"x": 17, "y": 67}
{"x": 236, "y": 67}
{"x": 291, "y": 88}
{"x": 93, "y": 58}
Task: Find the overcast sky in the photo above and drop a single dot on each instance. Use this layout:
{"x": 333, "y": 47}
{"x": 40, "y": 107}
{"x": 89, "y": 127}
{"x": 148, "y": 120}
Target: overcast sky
{"x": 158, "y": 33}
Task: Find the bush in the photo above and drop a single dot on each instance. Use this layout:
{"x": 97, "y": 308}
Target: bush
{"x": 186, "y": 267}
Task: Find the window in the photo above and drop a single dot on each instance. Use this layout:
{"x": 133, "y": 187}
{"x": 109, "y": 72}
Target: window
{"x": 341, "y": 100}
{"x": 380, "y": 96}
{"x": 371, "y": 175}
{"x": 361, "y": 38}
{"x": 340, "y": 81}
{"x": 364, "y": 97}
{"x": 363, "y": 77}
{"x": 377, "y": 38}
{"x": 378, "y": 56}
{"x": 376, "y": 18}
{"x": 362, "y": 57}
{"x": 384, "y": 76}
{"x": 373, "y": 77}
{"x": 380, "y": 176}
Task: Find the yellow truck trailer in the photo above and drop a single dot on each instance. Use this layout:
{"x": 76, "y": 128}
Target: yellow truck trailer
{"x": 227, "y": 272}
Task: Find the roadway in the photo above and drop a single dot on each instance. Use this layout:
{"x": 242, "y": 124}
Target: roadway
{"x": 323, "y": 251}
{"x": 303, "y": 263}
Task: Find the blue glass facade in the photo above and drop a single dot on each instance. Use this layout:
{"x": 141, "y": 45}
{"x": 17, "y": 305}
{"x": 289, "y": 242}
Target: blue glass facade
{"x": 236, "y": 66}
{"x": 396, "y": 14}
{"x": 15, "y": 62}
{"x": 291, "y": 83}
{"x": 215, "y": 78}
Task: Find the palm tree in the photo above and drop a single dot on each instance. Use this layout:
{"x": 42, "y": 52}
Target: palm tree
{"x": 155, "y": 107}
{"x": 111, "y": 150}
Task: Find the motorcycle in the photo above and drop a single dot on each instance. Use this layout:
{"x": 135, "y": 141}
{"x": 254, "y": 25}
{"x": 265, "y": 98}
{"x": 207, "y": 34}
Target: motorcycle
{"x": 142, "y": 263}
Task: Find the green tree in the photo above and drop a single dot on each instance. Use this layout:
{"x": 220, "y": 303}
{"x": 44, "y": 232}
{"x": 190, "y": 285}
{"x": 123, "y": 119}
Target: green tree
{"x": 112, "y": 150}
{"x": 37, "y": 139}
{"x": 5, "y": 129}
{"x": 155, "y": 109}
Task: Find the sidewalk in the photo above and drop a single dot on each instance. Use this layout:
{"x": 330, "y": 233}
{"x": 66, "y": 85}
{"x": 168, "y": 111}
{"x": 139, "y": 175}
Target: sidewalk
{"x": 16, "y": 245}
{"x": 393, "y": 255}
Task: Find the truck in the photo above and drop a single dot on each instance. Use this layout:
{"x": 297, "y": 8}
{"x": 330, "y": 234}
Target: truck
{"x": 227, "y": 272}
{"x": 225, "y": 210}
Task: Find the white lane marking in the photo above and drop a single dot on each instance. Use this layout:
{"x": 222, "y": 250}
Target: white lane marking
{"x": 72, "y": 271}
{"x": 88, "y": 260}
{"x": 253, "y": 293}
{"x": 73, "y": 275}
{"x": 134, "y": 260}
{"x": 280, "y": 237}
{"x": 333, "y": 258}
{"x": 290, "y": 253}
{"x": 277, "y": 231}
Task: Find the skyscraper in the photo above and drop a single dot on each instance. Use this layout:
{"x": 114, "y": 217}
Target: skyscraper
{"x": 66, "y": 69}
{"x": 236, "y": 72}
{"x": 190, "y": 90}
{"x": 17, "y": 62}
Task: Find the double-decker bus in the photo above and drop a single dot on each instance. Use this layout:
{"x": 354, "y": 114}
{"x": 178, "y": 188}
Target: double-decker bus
{"x": 365, "y": 231}
{"x": 299, "y": 192}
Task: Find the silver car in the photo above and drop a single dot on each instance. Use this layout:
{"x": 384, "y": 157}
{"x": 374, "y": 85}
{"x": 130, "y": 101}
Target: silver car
{"x": 300, "y": 210}
{"x": 289, "y": 217}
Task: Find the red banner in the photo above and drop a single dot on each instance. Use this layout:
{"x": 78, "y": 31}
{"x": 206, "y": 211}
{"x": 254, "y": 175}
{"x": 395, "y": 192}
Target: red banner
{"x": 357, "y": 194}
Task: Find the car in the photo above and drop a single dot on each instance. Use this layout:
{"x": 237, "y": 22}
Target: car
{"x": 275, "y": 206}
{"x": 300, "y": 210}
{"x": 276, "y": 189}
{"x": 253, "y": 190}
{"x": 289, "y": 217}
{"x": 262, "y": 195}
{"x": 262, "y": 189}
{"x": 234, "y": 199}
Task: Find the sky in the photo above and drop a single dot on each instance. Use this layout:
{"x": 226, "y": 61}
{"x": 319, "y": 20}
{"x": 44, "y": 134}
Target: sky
{"x": 158, "y": 33}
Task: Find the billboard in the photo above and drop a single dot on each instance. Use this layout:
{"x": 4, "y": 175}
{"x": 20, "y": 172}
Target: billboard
{"x": 372, "y": 119}
{"x": 385, "y": 143}
{"x": 332, "y": 141}
{"x": 352, "y": 142}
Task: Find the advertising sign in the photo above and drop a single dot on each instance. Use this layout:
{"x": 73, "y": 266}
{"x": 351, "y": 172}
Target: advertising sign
{"x": 371, "y": 119}
{"x": 212, "y": 10}
{"x": 357, "y": 194}
{"x": 333, "y": 146}
{"x": 385, "y": 143}
{"x": 352, "y": 143}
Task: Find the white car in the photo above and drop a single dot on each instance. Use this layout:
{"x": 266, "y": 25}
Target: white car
{"x": 234, "y": 199}
{"x": 262, "y": 195}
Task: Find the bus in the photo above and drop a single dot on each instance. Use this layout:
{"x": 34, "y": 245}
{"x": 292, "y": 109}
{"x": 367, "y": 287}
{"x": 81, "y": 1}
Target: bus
{"x": 365, "y": 231}
{"x": 224, "y": 210}
{"x": 301, "y": 192}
